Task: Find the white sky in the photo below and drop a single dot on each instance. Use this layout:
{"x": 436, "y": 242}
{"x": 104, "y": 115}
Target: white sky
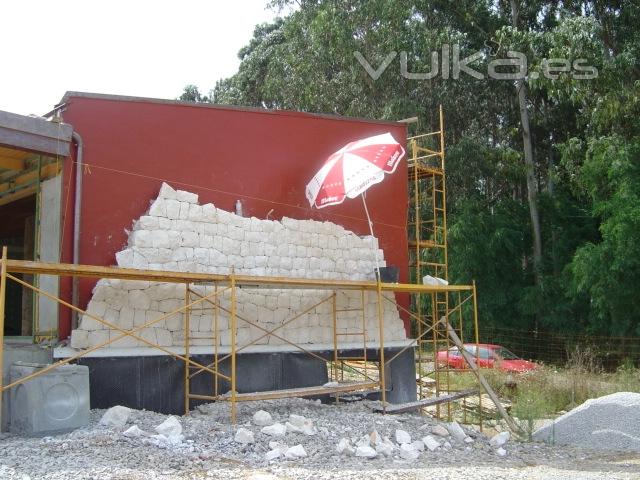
{"x": 134, "y": 47}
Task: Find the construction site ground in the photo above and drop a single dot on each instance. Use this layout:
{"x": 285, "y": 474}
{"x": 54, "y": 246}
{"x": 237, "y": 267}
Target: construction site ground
{"x": 207, "y": 448}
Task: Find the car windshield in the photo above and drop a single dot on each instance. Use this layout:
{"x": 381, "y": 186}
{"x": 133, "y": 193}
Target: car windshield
{"x": 505, "y": 354}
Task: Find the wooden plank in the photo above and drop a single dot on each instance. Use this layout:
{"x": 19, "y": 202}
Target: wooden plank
{"x": 427, "y": 402}
{"x": 472, "y": 363}
{"x": 301, "y": 392}
{"x": 47, "y": 171}
{"x": 10, "y": 163}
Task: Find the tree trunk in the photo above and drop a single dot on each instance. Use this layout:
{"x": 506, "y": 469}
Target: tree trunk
{"x": 532, "y": 187}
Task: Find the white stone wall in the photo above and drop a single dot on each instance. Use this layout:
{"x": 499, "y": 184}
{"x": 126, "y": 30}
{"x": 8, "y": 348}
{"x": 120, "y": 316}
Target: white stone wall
{"x": 178, "y": 234}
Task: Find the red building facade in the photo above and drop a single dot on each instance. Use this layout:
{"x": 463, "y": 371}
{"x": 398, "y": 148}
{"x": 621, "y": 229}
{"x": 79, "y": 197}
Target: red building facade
{"x": 224, "y": 154}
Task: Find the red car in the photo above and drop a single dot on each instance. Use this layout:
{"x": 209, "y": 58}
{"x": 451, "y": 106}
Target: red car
{"x": 489, "y": 356}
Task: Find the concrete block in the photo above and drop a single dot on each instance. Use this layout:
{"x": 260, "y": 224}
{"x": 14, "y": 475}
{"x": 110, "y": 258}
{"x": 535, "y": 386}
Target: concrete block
{"x": 167, "y": 192}
{"x": 228, "y": 245}
{"x": 163, "y": 337}
{"x": 149, "y": 334}
{"x": 126, "y": 318}
{"x": 97, "y": 308}
{"x": 195, "y": 213}
{"x": 153, "y": 315}
{"x": 184, "y": 210}
{"x": 139, "y": 317}
{"x": 97, "y": 337}
{"x": 175, "y": 322}
{"x": 201, "y": 255}
{"x": 124, "y": 258}
{"x": 141, "y": 238}
{"x": 189, "y": 239}
{"x": 206, "y": 241}
{"x": 169, "y": 305}
{"x": 286, "y": 263}
{"x": 158, "y": 208}
{"x": 112, "y": 316}
{"x": 79, "y": 339}
{"x": 172, "y": 209}
{"x": 125, "y": 342}
{"x": 187, "y": 197}
{"x": 139, "y": 299}
{"x": 160, "y": 239}
{"x": 209, "y": 213}
{"x": 210, "y": 229}
{"x": 89, "y": 324}
{"x": 164, "y": 223}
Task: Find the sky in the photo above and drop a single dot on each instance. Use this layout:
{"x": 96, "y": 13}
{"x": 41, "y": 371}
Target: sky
{"x": 135, "y": 47}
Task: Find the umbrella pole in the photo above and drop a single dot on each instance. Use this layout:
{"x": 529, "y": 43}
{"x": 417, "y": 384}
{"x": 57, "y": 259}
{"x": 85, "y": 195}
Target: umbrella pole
{"x": 375, "y": 250}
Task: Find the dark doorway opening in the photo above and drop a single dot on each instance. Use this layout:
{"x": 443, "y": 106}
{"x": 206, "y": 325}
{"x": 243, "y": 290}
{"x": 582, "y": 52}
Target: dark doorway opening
{"x": 17, "y": 232}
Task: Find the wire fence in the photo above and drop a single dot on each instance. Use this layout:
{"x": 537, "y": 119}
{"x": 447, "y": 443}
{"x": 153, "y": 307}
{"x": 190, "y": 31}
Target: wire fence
{"x": 561, "y": 348}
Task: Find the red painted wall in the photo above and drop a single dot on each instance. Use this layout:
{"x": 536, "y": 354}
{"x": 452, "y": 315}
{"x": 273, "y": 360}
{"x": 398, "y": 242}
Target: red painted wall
{"x": 265, "y": 158}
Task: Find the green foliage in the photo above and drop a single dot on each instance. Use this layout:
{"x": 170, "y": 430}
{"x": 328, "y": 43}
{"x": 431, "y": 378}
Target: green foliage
{"x": 585, "y": 132}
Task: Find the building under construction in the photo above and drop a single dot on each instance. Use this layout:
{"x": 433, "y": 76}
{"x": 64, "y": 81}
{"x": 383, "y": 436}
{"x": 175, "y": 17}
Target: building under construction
{"x": 169, "y": 247}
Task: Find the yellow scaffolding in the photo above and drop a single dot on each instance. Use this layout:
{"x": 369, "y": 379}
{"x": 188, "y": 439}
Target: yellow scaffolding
{"x": 222, "y": 286}
{"x": 428, "y": 255}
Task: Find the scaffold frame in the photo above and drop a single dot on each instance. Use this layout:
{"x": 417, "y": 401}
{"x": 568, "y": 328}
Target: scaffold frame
{"x": 222, "y": 284}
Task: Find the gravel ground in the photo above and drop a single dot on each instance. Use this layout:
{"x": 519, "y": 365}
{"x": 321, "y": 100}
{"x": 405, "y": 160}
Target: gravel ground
{"x": 208, "y": 450}
{"x": 611, "y": 422}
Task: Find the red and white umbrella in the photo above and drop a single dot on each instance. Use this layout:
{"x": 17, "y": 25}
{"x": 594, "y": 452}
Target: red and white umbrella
{"x": 352, "y": 170}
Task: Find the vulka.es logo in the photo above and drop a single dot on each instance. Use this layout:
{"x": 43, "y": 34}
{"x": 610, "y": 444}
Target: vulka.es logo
{"x": 450, "y": 65}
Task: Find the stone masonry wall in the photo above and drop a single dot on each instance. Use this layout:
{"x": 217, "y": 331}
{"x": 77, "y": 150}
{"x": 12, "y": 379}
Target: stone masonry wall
{"x": 178, "y": 234}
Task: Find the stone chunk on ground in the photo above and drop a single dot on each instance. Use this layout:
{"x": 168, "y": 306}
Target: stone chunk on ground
{"x": 244, "y": 436}
{"x": 402, "y": 437}
{"x": 605, "y": 423}
{"x": 295, "y": 452}
{"x": 262, "y": 418}
{"x": 500, "y": 439}
{"x": 117, "y": 416}
{"x": 170, "y": 427}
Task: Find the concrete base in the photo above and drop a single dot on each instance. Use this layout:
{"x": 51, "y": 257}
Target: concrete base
{"x": 19, "y": 350}
{"x": 157, "y": 382}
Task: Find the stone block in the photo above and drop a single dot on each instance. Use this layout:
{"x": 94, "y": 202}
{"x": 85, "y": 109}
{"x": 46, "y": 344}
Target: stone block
{"x": 89, "y": 324}
{"x": 195, "y": 213}
{"x": 97, "y": 337}
{"x": 184, "y": 210}
{"x": 167, "y": 192}
{"x": 79, "y": 339}
{"x": 124, "y": 342}
{"x": 201, "y": 255}
{"x": 124, "y": 258}
{"x": 126, "y": 318}
{"x": 149, "y": 334}
{"x": 175, "y": 322}
{"x": 141, "y": 238}
{"x": 158, "y": 208}
{"x": 172, "y": 209}
{"x": 187, "y": 197}
{"x": 209, "y": 213}
{"x": 139, "y": 317}
{"x": 163, "y": 337}
{"x": 189, "y": 239}
{"x": 139, "y": 299}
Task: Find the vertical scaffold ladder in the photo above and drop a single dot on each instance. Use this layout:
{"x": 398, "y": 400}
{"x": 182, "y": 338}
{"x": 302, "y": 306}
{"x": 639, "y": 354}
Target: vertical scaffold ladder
{"x": 427, "y": 229}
